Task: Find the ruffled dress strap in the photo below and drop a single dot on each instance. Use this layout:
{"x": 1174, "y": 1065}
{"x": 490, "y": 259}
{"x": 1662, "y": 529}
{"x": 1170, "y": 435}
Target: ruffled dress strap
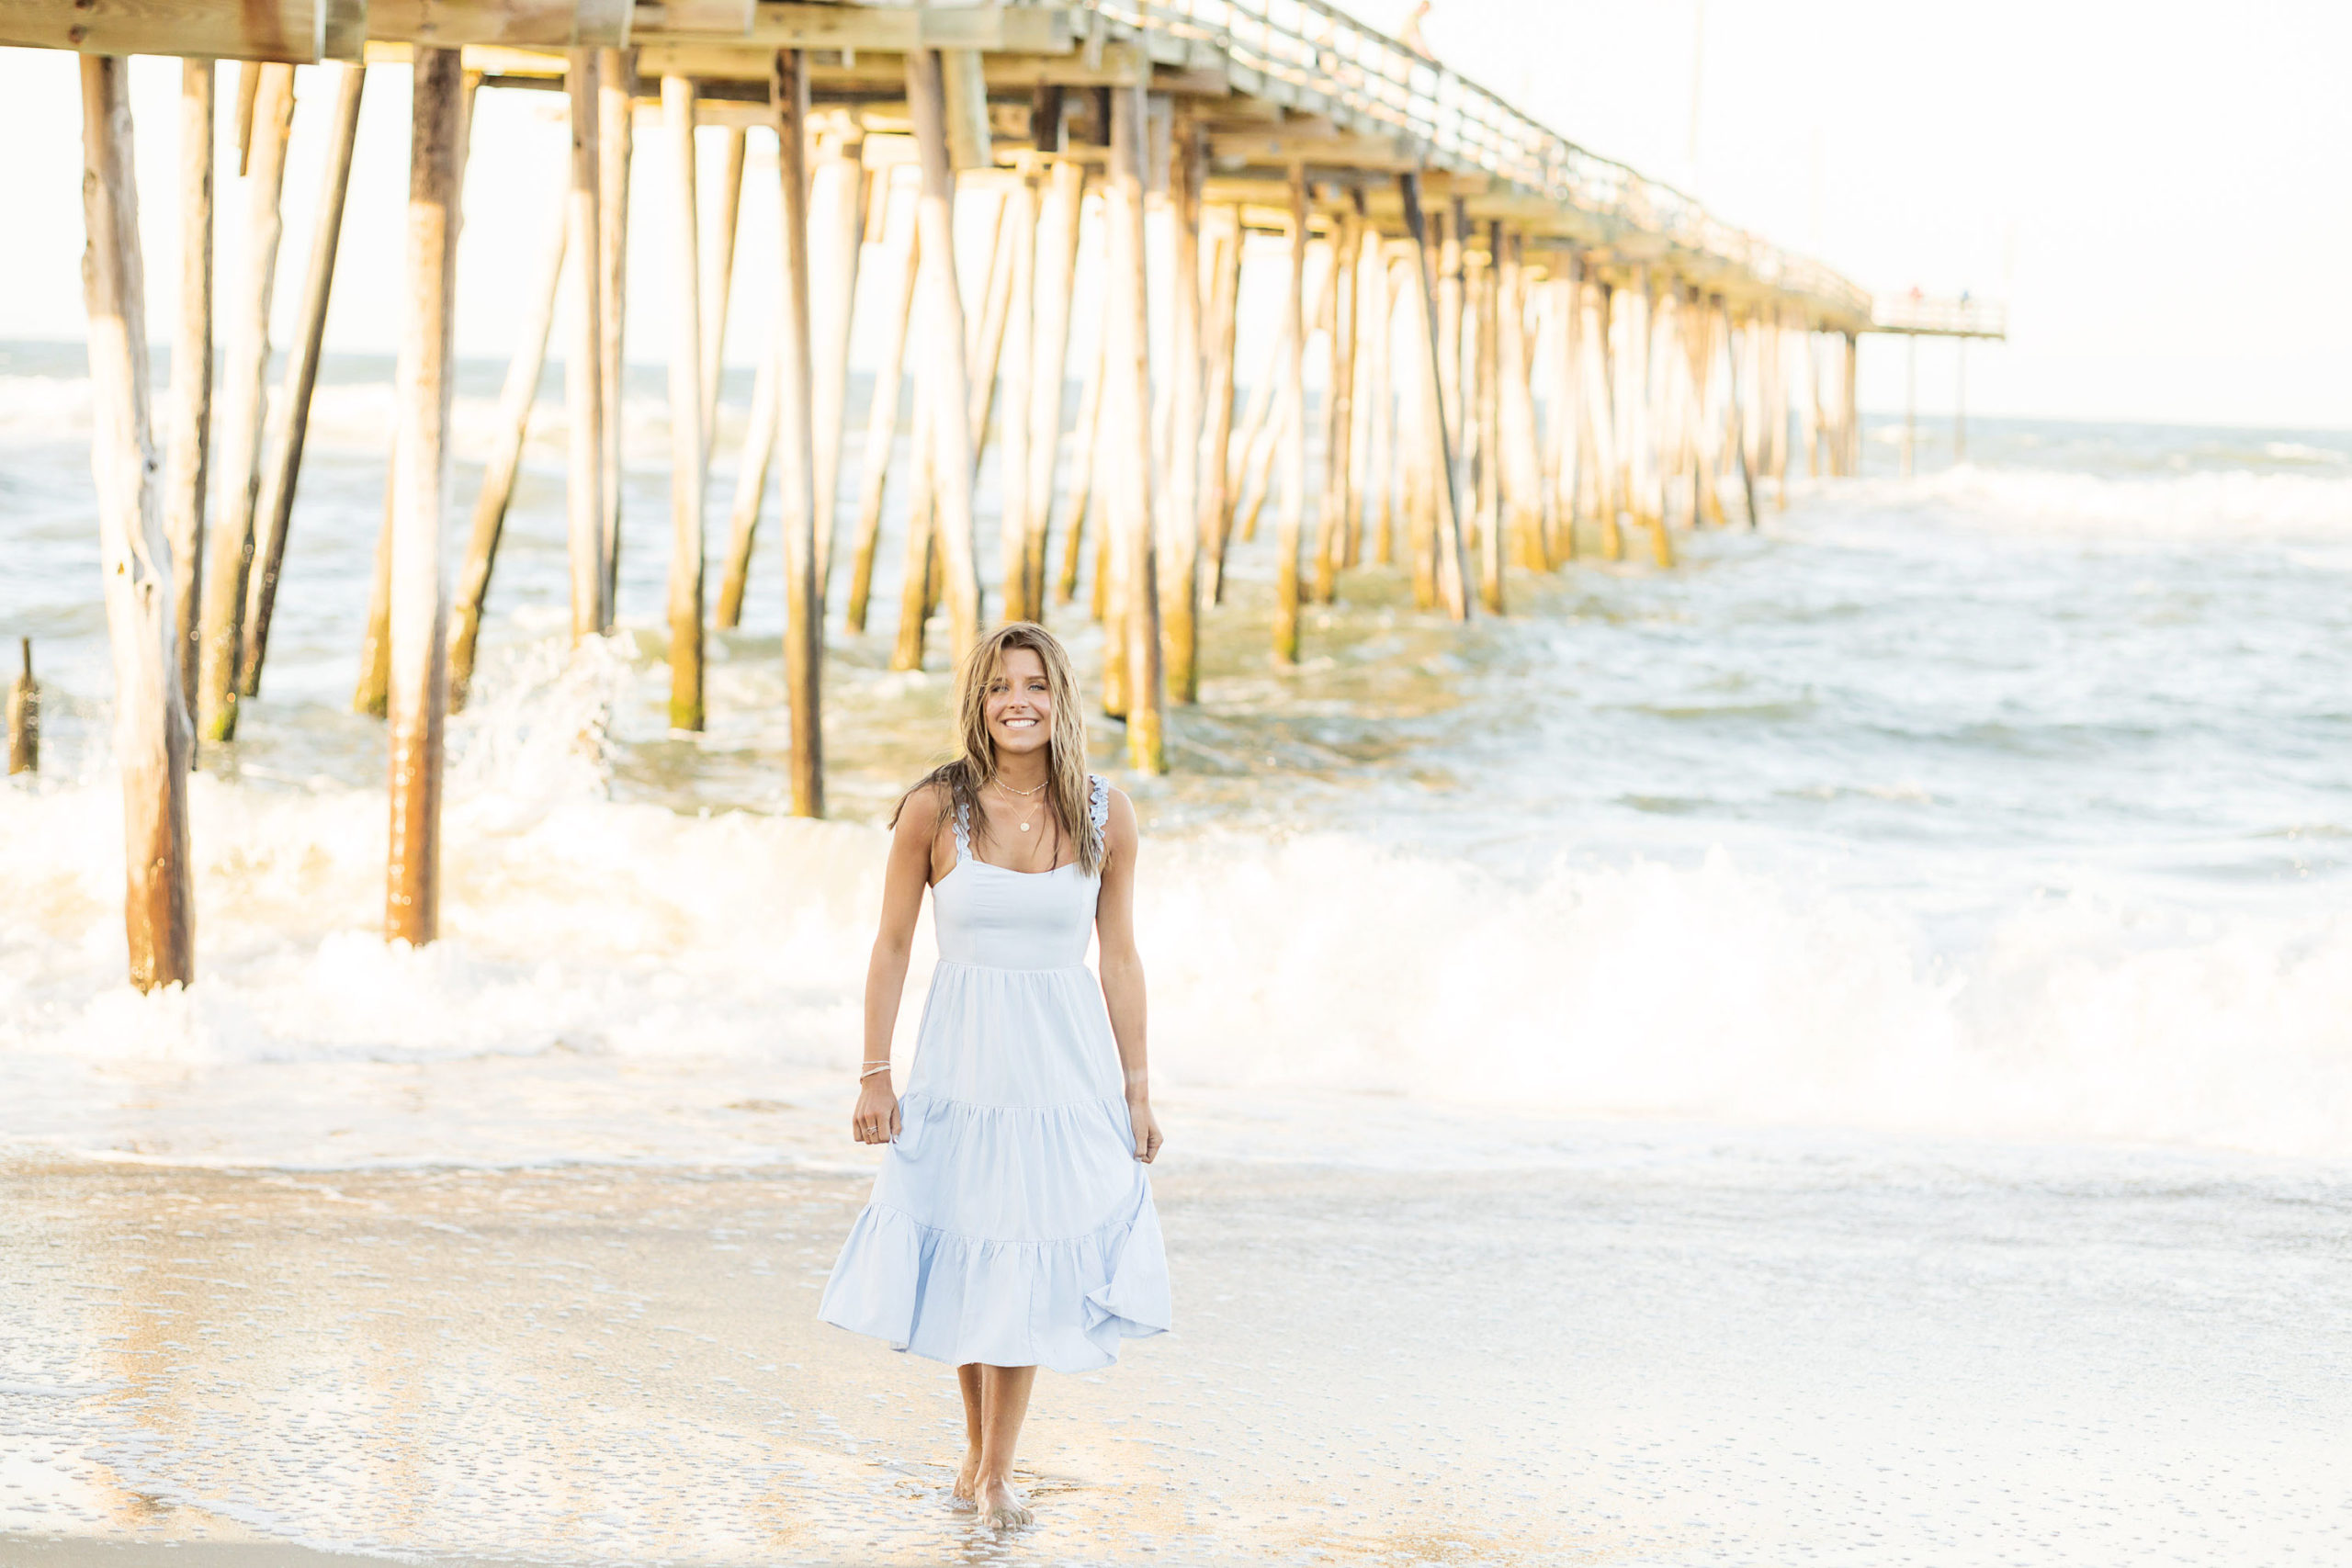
{"x": 1098, "y": 807}
{"x": 963, "y": 833}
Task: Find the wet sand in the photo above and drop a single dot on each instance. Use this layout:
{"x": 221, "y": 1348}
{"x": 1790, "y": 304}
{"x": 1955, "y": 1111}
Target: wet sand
{"x": 1667, "y": 1350}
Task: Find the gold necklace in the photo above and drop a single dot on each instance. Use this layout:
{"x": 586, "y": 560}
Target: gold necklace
{"x": 1030, "y": 811}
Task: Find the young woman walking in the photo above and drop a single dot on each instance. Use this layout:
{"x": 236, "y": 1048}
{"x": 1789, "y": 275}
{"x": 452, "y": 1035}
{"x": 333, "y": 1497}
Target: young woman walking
{"x": 1012, "y": 1225}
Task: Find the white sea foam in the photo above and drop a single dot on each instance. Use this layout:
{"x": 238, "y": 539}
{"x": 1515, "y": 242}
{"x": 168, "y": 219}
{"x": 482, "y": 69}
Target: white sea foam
{"x": 645, "y": 950}
{"x": 2223, "y": 505}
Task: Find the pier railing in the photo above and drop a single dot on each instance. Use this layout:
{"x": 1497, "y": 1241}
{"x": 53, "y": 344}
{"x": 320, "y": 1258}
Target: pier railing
{"x": 1939, "y": 316}
{"x": 1333, "y": 64}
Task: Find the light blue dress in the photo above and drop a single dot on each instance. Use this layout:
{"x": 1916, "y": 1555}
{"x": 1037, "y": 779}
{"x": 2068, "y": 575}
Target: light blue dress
{"x": 1012, "y": 1223}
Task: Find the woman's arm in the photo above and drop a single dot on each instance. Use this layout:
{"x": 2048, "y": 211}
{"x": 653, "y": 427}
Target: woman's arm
{"x": 1115, "y": 928}
{"x": 875, "y": 1120}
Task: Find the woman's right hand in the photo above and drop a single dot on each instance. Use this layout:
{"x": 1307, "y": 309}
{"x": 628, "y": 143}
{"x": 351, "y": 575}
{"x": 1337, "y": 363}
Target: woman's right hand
{"x": 875, "y": 1120}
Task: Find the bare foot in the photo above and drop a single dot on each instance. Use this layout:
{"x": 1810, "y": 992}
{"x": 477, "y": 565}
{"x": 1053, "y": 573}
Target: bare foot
{"x": 967, "y": 1479}
{"x": 999, "y": 1506}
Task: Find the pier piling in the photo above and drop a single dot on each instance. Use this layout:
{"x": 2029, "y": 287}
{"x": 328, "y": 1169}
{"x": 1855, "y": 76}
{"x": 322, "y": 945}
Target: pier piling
{"x": 24, "y": 716}
{"x": 516, "y": 400}
{"x": 417, "y": 701}
{"x": 1127, "y": 406}
{"x": 275, "y": 510}
{"x": 191, "y": 434}
{"x": 687, "y": 449}
{"x": 804, "y": 631}
{"x": 151, "y": 739}
{"x": 244, "y": 393}
{"x": 583, "y": 362}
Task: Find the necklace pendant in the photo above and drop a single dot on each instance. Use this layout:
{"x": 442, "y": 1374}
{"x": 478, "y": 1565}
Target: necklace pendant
{"x": 1024, "y": 826}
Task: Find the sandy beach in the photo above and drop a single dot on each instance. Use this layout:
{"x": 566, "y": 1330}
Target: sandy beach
{"x": 1662, "y": 1346}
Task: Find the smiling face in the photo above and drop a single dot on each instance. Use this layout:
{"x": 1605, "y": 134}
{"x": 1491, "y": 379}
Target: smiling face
{"x": 1019, "y": 705}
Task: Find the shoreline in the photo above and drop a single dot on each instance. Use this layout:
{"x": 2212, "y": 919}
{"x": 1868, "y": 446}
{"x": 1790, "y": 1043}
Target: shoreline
{"x": 1691, "y": 1356}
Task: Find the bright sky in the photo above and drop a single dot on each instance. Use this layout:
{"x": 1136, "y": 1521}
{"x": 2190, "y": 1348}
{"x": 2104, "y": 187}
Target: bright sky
{"x": 2163, "y": 192}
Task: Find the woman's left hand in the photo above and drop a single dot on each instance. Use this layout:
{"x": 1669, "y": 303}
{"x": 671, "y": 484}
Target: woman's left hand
{"x": 1146, "y": 1128}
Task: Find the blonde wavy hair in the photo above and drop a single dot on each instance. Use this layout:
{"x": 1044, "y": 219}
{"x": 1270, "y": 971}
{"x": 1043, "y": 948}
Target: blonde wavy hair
{"x": 975, "y": 766}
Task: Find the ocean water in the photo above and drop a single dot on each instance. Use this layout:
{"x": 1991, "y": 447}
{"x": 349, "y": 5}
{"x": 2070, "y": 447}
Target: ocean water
{"x": 1835, "y": 1052}
{"x": 2005, "y": 801}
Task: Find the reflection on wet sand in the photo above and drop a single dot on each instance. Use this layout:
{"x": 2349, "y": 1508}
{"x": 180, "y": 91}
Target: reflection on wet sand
{"x": 1696, "y": 1349}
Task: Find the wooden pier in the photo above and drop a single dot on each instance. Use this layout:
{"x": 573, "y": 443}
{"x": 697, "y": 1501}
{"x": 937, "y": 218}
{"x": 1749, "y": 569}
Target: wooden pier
{"x": 1528, "y": 354}
{"x": 1958, "y": 317}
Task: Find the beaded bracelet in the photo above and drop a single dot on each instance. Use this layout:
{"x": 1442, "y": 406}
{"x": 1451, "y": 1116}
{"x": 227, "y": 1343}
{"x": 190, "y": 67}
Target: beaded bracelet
{"x": 872, "y": 1068}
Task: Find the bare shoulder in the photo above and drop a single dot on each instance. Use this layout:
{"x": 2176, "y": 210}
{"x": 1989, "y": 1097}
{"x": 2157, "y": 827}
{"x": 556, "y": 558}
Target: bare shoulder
{"x": 1120, "y": 831}
{"x": 926, "y": 806}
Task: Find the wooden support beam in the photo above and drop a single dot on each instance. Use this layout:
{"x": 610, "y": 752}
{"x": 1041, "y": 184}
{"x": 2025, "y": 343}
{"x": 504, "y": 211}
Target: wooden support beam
{"x": 1127, "y": 407}
{"x": 966, "y": 109}
{"x": 1383, "y": 473}
{"x": 1016, "y": 358}
{"x": 1452, "y": 288}
{"x": 836, "y": 237}
{"x": 1743, "y": 421}
{"x": 297, "y": 32}
{"x": 1776, "y": 404}
{"x": 419, "y": 630}
{"x": 896, "y": 269}
{"x": 984, "y": 350}
{"x": 24, "y": 716}
{"x": 192, "y": 436}
{"x": 1705, "y": 360}
{"x": 584, "y": 361}
{"x": 615, "y": 145}
{"x": 1221, "y": 339}
{"x": 1852, "y": 408}
{"x": 1601, "y": 425}
{"x": 688, "y": 449}
{"x": 1488, "y": 363}
{"x": 1291, "y": 404}
{"x": 1417, "y": 447}
{"x": 751, "y": 489}
{"x": 1366, "y": 385}
{"x": 718, "y": 278}
{"x": 369, "y": 692}
{"x": 521, "y": 24}
{"x": 996, "y": 28}
{"x": 516, "y": 400}
{"x": 1677, "y": 409}
{"x": 1057, "y": 231}
{"x": 1693, "y": 326}
{"x": 276, "y": 513}
{"x": 244, "y": 393}
{"x": 1338, "y": 414}
{"x": 152, "y": 742}
{"x": 1649, "y": 370}
{"x": 1520, "y": 443}
{"x": 1555, "y": 364}
{"x": 1453, "y": 567}
{"x": 1083, "y": 494}
{"x": 1260, "y": 444}
{"x": 804, "y": 623}
{"x": 375, "y": 648}
{"x": 943, "y": 360}
{"x": 921, "y": 584}
{"x": 1178, "y": 567}
{"x": 918, "y": 561}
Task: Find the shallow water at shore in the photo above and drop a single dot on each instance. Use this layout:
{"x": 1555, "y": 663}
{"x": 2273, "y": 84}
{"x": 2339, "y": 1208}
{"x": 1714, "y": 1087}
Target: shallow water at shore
{"x": 1689, "y": 1347}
